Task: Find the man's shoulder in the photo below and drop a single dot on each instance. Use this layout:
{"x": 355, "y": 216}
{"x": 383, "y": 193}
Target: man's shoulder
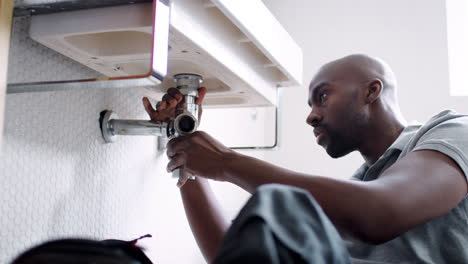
{"x": 444, "y": 132}
{"x": 446, "y": 122}
{"x": 447, "y": 116}
{"x": 444, "y": 125}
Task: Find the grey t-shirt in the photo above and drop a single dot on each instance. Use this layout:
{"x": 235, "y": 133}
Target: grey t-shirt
{"x": 440, "y": 240}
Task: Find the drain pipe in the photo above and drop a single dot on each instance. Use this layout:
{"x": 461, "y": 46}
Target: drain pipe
{"x": 186, "y": 121}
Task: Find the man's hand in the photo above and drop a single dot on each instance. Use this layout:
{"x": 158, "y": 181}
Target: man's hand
{"x": 171, "y": 103}
{"x": 166, "y": 110}
{"x": 198, "y": 154}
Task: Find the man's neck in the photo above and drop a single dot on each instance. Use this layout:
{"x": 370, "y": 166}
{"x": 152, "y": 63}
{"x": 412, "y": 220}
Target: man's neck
{"x": 382, "y": 137}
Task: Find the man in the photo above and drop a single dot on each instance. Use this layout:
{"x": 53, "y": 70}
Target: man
{"x": 406, "y": 204}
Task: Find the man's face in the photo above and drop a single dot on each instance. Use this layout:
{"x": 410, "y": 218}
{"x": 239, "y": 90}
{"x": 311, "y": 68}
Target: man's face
{"x": 337, "y": 114}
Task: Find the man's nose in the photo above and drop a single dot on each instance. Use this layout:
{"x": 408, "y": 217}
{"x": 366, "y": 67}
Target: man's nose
{"x": 313, "y": 118}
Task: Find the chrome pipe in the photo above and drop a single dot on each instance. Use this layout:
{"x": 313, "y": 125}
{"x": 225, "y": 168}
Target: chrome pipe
{"x": 185, "y": 122}
{"x": 111, "y": 127}
{"x": 138, "y": 128}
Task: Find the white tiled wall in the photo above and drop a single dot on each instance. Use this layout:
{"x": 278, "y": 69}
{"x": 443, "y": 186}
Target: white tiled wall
{"x": 58, "y": 178}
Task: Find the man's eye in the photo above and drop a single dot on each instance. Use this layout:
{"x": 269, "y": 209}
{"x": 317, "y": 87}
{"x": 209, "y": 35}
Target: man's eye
{"x": 323, "y": 97}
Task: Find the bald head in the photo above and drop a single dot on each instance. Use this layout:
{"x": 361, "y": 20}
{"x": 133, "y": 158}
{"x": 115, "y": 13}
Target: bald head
{"x": 359, "y": 69}
{"x": 351, "y": 98}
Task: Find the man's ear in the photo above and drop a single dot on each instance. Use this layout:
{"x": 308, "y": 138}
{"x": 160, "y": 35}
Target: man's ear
{"x": 374, "y": 89}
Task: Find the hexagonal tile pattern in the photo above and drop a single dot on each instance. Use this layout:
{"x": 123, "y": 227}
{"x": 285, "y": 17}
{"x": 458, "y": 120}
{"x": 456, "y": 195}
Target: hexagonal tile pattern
{"x": 58, "y": 178}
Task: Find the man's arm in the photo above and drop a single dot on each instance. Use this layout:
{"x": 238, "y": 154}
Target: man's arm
{"x": 205, "y": 216}
{"x": 421, "y": 186}
{"x": 201, "y": 207}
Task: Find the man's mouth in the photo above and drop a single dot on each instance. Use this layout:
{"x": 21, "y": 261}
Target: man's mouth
{"x": 320, "y": 138}
{"x": 319, "y": 134}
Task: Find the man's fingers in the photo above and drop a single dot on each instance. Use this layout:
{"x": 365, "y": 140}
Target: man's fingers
{"x": 201, "y": 95}
{"x": 168, "y": 98}
{"x": 148, "y": 107}
{"x": 162, "y": 105}
{"x": 176, "y": 145}
{"x": 176, "y": 162}
{"x": 175, "y": 93}
{"x": 171, "y": 101}
{"x": 184, "y": 176}
{"x": 176, "y": 149}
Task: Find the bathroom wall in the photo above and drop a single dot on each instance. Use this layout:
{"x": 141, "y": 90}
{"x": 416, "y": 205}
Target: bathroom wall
{"x": 60, "y": 179}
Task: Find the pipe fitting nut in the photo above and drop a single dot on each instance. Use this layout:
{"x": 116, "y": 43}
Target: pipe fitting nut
{"x": 185, "y": 123}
